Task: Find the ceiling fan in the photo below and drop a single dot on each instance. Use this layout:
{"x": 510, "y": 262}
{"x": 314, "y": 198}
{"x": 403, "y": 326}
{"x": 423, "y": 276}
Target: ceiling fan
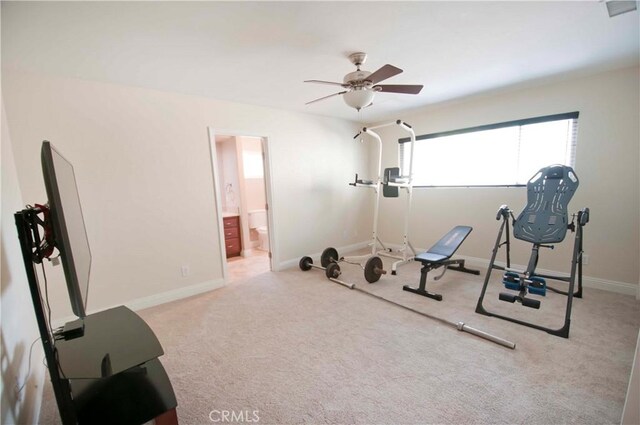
{"x": 361, "y": 86}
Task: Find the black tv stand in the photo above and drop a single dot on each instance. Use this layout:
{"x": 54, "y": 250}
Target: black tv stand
{"x": 104, "y": 369}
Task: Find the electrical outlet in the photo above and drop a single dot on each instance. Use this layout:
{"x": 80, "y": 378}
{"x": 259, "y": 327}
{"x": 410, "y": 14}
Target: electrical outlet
{"x": 184, "y": 270}
{"x": 585, "y": 258}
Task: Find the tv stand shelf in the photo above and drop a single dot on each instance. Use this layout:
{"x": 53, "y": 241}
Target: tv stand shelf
{"x": 108, "y": 371}
{"x": 114, "y": 340}
{"x": 134, "y": 396}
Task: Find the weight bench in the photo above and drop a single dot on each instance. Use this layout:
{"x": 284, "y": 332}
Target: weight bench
{"x": 439, "y": 256}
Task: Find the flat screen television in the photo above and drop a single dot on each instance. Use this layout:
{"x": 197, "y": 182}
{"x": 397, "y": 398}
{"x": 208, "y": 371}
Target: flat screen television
{"x": 68, "y": 226}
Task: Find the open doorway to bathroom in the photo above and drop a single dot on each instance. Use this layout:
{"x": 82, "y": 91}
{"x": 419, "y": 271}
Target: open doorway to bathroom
{"x": 242, "y": 196}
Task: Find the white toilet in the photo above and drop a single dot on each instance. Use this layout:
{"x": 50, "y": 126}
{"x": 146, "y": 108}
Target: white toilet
{"x": 258, "y": 221}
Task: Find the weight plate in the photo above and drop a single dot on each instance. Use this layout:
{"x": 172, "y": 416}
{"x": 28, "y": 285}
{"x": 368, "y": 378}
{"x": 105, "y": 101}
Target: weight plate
{"x": 372, "y": 269}
{"x": 305, "y": 263}
{"x": 329, "y": 255}
{"x": 332, "y": 270}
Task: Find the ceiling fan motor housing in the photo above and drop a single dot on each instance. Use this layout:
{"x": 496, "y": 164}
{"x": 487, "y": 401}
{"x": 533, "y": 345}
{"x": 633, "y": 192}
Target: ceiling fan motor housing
{"x": 356, "y": 76}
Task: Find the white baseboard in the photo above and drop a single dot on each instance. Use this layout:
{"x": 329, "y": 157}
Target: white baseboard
{"x": 174, "y": 294}
{"x": 43, "y": 374}
{"x": 587, "y": 281}
{"x": 157, "y": 299}
{"x": 348, "y": 248}
{"x": 249, "y": 250}
{"x": 27, "y": 408}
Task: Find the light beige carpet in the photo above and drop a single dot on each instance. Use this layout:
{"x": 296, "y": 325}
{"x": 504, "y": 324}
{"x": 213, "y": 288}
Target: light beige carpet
{"x": 296, "y": 348}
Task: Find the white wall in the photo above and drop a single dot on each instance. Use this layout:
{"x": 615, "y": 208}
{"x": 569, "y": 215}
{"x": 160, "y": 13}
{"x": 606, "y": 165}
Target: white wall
{"x": 252, "y": 190}
{"x": 254, "y": 186}
{"x": 606, "y": 163}
{"x": 143, "y": 167}
{"x": 228, "y": 169}
{"x": 19, "y": 328}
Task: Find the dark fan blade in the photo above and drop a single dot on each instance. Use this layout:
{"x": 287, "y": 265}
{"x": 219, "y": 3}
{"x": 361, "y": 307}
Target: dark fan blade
{"x": 399, "y": 88}
{"x": 383, "y": 73}
{"x": 326, "y": 97}
{"x": 326, "y": 82}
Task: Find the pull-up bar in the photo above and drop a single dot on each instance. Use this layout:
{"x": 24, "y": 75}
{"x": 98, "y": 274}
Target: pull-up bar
{"x": 406, "y": 252}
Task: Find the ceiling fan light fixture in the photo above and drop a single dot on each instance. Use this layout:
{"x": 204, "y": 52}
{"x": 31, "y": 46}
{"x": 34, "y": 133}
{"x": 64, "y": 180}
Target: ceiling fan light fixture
{"x": 358, "y": 98}
{"x": 361, "y": 86}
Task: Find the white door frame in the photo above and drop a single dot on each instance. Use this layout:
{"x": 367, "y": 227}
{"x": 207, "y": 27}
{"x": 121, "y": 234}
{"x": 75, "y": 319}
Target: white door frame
{"x": 268, "y": 185}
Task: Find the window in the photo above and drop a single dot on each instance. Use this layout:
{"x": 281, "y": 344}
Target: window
{"x": 252, "y": 165}
{"x": 504, "y": 154}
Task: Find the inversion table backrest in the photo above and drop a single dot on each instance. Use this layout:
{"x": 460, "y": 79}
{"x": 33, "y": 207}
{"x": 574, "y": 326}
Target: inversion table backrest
{"x": 446, "y": 246}
{"x": 545, "y": 218}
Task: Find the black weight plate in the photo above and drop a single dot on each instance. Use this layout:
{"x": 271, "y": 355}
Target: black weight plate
{"x": 372, "y": 269}
{"x": 329, "y": 255}
{"x": 332, "y": 270}
{"x": 305, "y": 263}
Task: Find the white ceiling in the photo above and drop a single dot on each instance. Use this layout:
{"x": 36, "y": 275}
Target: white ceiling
{"x": 260, "y": 52}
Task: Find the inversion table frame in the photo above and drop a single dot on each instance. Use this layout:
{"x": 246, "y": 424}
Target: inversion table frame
{"x": 542, "y": 222}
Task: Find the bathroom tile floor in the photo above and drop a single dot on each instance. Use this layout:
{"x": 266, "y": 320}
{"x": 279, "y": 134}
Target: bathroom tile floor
{"x": 242, "y": 268}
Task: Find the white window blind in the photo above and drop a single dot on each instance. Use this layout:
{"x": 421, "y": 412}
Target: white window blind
{"x": 504, "y": 154}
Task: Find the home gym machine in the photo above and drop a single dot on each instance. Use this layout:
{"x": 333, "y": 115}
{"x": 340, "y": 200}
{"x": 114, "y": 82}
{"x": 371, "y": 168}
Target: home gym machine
{"x": 543, "y": 222}
{"x": 390, "y": 182}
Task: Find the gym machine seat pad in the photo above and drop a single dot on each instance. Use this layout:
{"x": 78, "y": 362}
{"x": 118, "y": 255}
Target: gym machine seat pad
{"x": 446, "y": 246}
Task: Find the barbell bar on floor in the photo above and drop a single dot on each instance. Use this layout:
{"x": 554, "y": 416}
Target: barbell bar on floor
{"x": 373, "y": 268}
{"x": 332, "y": 271}
{"x": 461, "y": 326}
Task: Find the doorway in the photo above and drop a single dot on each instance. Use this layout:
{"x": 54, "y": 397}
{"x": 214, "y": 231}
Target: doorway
{"x": 242, "y": 187}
